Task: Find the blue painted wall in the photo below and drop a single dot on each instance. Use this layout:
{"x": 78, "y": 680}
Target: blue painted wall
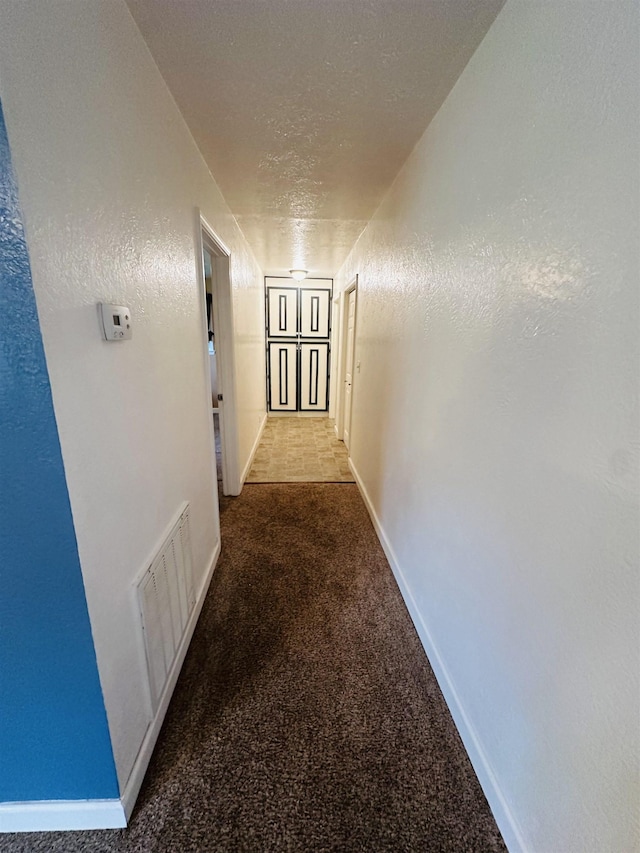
{"x": 54, "y": 740}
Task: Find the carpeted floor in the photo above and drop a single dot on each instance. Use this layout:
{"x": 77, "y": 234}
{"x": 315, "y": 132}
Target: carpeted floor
{"x": 306, "y": 717}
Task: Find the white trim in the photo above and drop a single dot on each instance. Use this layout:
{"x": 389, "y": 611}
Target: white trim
{"x": 134, "y": 782}
{"x": 205, "y": 340}
{"x": 334, "y": 353}
{"x": 505, "y": 818}
{"x": 223, "y": 320}
{"x": 341, "y": 359}
{"x": 338, "y": 385}
{"x": 247, "y": 467}
{"x": 220, "y": 245}
{"x": 61, "y": 815}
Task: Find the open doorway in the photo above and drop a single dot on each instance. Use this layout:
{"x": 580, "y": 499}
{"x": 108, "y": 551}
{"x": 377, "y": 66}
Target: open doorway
{"x": 207, "y": 260}
{"x": 218, "y": 319}
{"x": 347, "y": 364}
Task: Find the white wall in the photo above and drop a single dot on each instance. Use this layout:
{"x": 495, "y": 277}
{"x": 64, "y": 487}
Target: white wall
{"x": 498, "y": 320}
{"x": 109, "y": 181}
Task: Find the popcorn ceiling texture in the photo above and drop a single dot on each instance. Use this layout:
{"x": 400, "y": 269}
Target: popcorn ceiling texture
{"x": 306, "y": 110}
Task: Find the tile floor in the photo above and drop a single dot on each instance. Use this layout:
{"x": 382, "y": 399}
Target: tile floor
{"x": 300, "y": 450}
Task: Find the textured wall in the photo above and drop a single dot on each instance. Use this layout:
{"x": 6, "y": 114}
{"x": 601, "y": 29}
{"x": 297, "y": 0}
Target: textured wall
{"x": 498, "y": 322}
{"x": 109, "y": 180}
{"x": 54, "y": 741}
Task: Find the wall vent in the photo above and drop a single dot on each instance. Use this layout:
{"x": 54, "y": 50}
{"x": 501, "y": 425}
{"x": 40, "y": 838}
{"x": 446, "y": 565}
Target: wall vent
{"x": 166, "y": 598}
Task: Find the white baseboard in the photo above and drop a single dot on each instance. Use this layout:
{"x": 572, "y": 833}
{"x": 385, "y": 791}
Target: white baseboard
{"x": 134, "y": 782}
{"x": 247, "y": 467}
{"x": 61, "y": 815}
{"x": 505, "y": 819}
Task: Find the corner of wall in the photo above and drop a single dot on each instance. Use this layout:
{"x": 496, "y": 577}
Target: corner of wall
{"x": 504, "y": 816}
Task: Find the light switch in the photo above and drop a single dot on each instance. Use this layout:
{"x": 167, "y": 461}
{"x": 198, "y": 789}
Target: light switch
{"x": 116, "y": 322}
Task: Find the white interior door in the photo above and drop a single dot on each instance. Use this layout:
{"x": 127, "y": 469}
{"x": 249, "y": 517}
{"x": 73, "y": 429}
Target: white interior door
{"x": 282, "y": 312}
{"x": 314, "y": 363}
{"x": 283, "y": 373}
{"x": 315, "y": 307}
{"x": 348, "y": 380}
{"x": 298, "y": 373}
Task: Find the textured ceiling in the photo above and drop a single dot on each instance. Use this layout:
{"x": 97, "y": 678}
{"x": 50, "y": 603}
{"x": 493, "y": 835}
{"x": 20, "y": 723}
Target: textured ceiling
{"x": 305, "y": 110}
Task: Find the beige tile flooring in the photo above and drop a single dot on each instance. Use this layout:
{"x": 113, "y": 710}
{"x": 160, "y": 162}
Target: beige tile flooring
{"x": 300, "y": 450}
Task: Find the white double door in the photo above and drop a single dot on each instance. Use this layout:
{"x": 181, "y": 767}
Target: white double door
{"x": 298, "y": 335}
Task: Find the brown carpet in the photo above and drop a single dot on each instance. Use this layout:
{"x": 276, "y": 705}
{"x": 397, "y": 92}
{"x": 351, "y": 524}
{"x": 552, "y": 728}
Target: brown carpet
{"x": 306, "y": 717}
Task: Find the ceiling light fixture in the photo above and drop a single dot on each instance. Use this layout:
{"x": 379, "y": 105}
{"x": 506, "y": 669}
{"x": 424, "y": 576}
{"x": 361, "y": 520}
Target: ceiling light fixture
{"x": 299, "y": 275}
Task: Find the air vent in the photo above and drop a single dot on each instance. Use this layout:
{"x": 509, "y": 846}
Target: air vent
{"x": 166, "y": 598}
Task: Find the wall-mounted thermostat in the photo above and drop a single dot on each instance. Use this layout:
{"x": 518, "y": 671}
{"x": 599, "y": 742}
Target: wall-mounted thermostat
{"x": 116, "y": 322}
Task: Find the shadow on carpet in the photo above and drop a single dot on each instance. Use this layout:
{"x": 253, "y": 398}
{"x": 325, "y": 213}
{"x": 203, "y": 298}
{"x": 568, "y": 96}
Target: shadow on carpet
{"x": 306, "y": 717}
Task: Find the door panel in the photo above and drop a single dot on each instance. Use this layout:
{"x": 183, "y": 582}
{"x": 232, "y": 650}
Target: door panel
{"x": 314, "y": 364}
{"x": 283, "y": 377}
{"x": 282, "y": 312}
{"x": 315, "y": 307}
{"x": 348, "y": 380}
{"x": 298, "y": 327}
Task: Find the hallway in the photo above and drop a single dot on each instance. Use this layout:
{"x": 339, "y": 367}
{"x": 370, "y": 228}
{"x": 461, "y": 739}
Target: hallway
{"x": 465, "y": 174}
{"x": 306, "y": 717}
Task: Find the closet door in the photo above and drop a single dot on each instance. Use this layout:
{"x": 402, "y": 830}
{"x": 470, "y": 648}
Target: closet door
{"x": 314, "y": 378}
{"x": 283, "y": 374}
{"x": 282, "y": 312}
{"x": 315, "y": 310}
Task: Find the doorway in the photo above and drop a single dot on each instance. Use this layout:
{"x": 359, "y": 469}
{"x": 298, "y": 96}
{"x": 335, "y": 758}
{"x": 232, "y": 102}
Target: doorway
{"x": 208, "y": 264}
{"x": 348, "y": 365}
{"x": 220, "y": 363}
{"x": 298, "y": 335}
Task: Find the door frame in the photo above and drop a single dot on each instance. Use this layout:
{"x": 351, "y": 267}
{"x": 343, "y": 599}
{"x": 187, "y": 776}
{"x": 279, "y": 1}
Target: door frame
{"x": 299, "y": 339}
{"x": 342, "y": 355}
{"x": 222, "y": 307}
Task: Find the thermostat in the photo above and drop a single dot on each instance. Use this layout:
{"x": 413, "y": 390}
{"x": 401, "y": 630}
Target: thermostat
{"x": 116, "y": 322}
